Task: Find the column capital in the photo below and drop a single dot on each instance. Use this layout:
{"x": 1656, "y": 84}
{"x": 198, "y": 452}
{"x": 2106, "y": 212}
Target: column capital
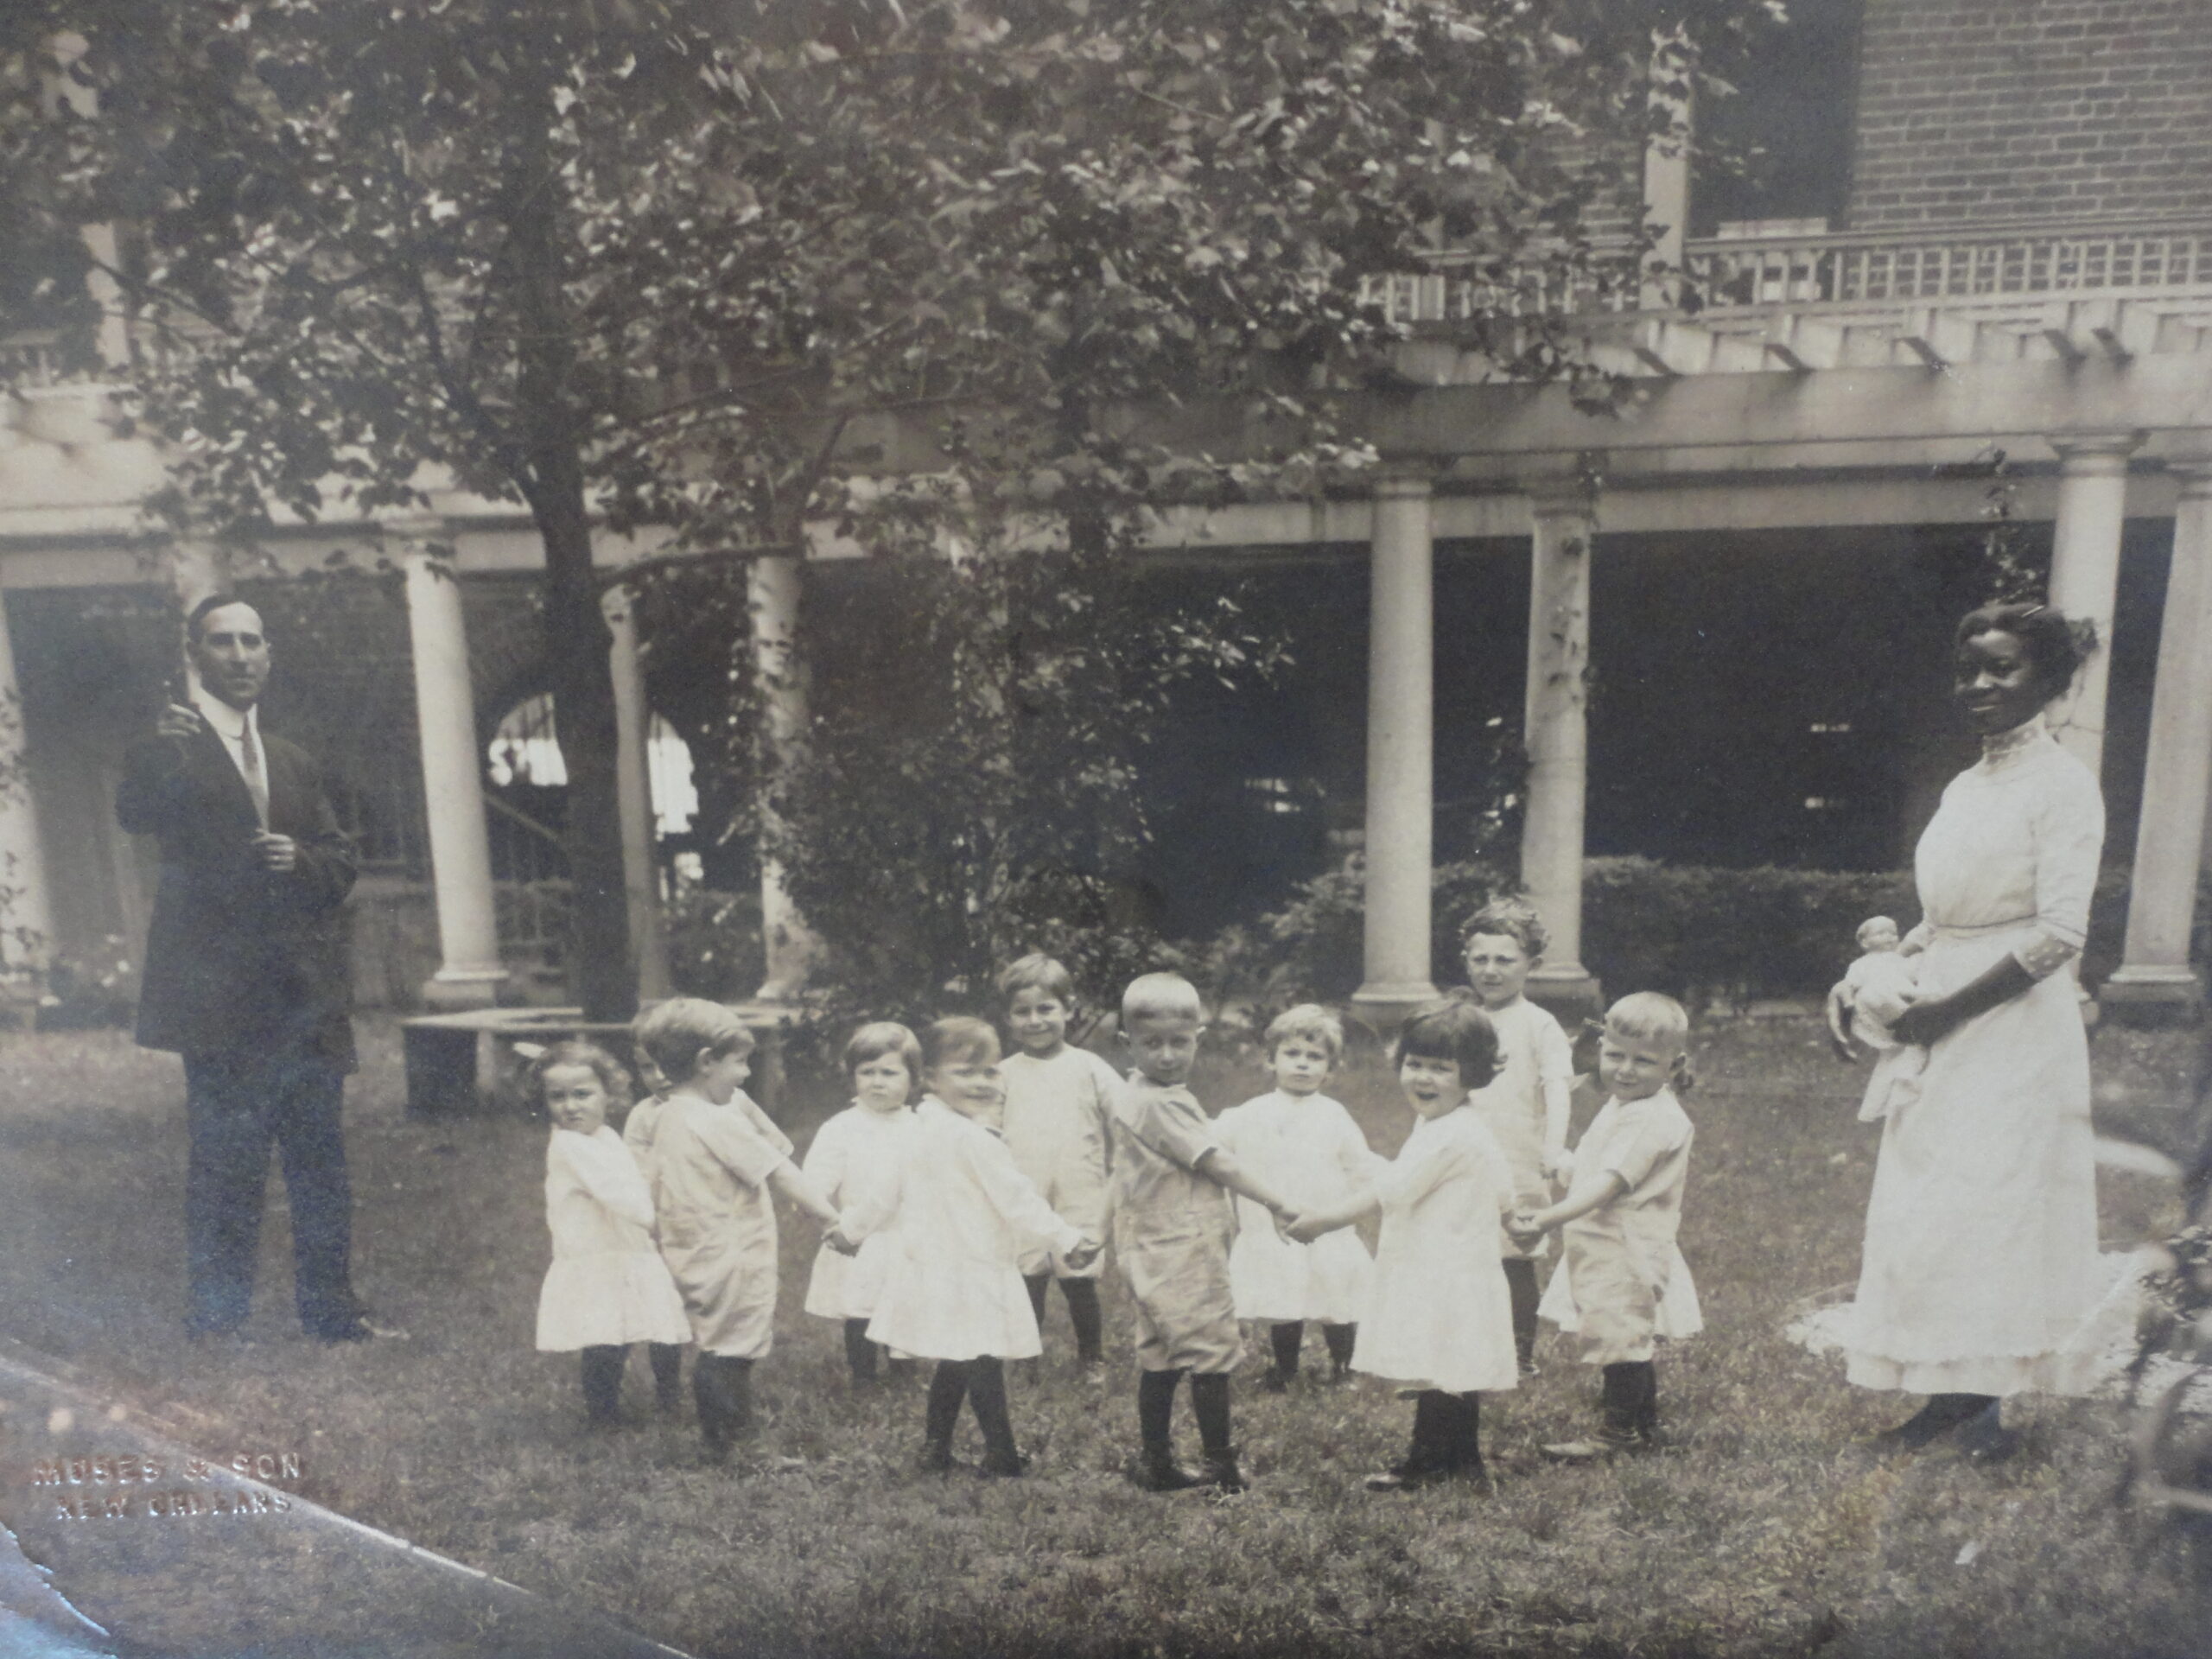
{"x": 1405, "y": 479}
{"x": 2096, "y": 452}
{"x": 2194, "y": 472}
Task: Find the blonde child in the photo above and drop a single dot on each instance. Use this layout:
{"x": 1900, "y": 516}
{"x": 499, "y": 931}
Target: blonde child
{"x": 1526, "y": 1105}
{"x": 1441, "y": 1317}
{"x": 608, "y": 1286}
{"x": 1173, "y": 1224}
{"x": 851, "y": 1157}
{"x": 1303, "y": 1143}
{"x": 639, "y": 1127}
{"x": 717, "y": 1155}
{"x": 964, "y": 1217}
{"x": 1624, "y": 1283}
{"x": 1058, "y": 1107}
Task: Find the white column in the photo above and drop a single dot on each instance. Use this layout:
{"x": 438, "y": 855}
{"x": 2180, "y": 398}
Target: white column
{"x": 1556, "y": 732}
{"x": 470, "y": 974}
{"x": 2085, "y": 571}
{"x": 633, "y": 717}
{"x": 2178, "y": 770}
{"x": 1401, "y": 758}
{"x": 772, "y": 590}
{"x": 26, "y": 909}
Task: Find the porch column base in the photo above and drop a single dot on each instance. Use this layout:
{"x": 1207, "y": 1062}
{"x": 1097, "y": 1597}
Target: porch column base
{"x": 2152, "y": 996}
{"x": 1569, "y": 993}
{"x": 459, "y": 990}
{"x": 1385, "y": 1005}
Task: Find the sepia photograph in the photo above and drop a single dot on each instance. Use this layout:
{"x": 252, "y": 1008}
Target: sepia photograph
{"x": 1105, "y": 829}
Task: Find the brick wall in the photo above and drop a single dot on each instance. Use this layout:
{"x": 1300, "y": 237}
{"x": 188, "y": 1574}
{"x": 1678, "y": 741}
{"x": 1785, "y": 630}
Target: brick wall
{"x": 1975, "y": 111}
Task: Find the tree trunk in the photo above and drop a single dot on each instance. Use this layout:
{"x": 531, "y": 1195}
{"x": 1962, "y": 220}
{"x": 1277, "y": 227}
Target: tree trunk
{"x": 577, "y": 642}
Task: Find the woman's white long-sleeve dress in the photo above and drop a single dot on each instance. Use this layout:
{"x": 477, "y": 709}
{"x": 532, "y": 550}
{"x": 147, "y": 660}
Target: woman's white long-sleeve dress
{"x": 1307, "y": 1148}
{"x": 1981, "y": 1258}
{"x": 962, "y": 1217}
{"x": 607, "y": 1285}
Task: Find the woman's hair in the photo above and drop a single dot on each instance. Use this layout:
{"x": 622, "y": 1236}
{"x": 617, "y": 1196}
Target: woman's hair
{"x": 674, "y": 1032}
{"x": 1654, "y": 1017}
{"x": 2055, "y": 649}
{"x": 1454, "y": 1029}
{"x": 955, "y": 1038}
{"x": 614, "y": 1076}
{"x": 1514, "y": 918}
{"x": 1311, "y": 1021}
{"x": 1037, "y": 972}
{"x": 880, "y": 1037}
{"x": 1151, "y": 995}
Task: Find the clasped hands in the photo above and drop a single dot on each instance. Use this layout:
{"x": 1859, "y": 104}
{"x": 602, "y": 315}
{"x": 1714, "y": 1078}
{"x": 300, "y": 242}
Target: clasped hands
{"x": 1525, "y": 1228}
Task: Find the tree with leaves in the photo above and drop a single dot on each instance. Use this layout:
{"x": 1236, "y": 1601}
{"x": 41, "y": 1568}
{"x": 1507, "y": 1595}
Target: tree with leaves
{"x": 730, "y": 270}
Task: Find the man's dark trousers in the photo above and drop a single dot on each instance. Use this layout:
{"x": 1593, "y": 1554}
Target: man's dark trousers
{"x": 238, "y": 1105}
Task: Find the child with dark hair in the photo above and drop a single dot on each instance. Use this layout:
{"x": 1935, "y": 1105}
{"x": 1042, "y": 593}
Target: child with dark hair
{"x": 1441, "y": 1317}
{"x": 1304, "y": 1143}
{"x": 608, "y": 1286}
{"x": 717, "y": 1157}
{"x": 853, "y": 1156}
{"x": 1625, "y": 1284}
{"x": 1526, "y": 1104}
{"x": 1058, "y": 1098}
{"x": 964, "y": 1216}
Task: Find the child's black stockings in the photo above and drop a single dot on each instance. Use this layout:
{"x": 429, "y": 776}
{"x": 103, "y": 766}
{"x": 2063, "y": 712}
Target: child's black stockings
{"x": 1340, "y": 1338}
{"x": 1630, "y": 1400}
{"x": 1521, "y": 1288}
{"x": 722, "y": 1386}
{"x": 602, "y": 1372}
{"x": 1209, "y": 1404}
{"x": 1082, "y": 1297}
{"x": 1285, "y": 1339}
{"x": 668, "y": 1373}
{"x": 1447, "y": 1435}
{"x": 860, "y": 1352}
{"x": 1156, "y": 1409}
{"x": 982, "y": 1383}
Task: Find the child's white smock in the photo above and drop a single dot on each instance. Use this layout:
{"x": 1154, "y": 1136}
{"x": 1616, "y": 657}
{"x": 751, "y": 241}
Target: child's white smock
{"x": 1536, "y": 1062}
{"x": 1058, "y": 1124}
{"x": 607, "y": 1286}
{"x": 711, "y": 1165}
{"x": 1625, "y": 1282}
{"x": 1439, "y": 1315}
{"x": 965, "y": 1216}
{"x": 852, "y": 1159}
{"x": 1308, "y": 1150}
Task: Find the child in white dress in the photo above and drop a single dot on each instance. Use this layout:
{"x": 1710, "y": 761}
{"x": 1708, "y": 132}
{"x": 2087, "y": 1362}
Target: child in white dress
{"x": 716, "y": 1156}
{"x": 1526, "y": 1104}
{"x": 1305, "y": 1144}
{"x": 854, "y": 1155}
{"x": 638, "y": 1131}
{"x": 1625, "y": 1284}
{"x": 1879, "y": 986}
{"x": 1441, "y": 1317}
{"x": 964, "y": 1218}
{"x": 608, "y": 1286}
{"x": 1059, "y": 1101}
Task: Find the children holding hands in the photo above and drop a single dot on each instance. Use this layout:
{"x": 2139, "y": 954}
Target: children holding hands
{"x": 716, "y": 1156}
{"x": 965, "y": 1218}
{"x": 608, "y": 1286}
{"x": 1058, "y": 1100}
{"x": 1526, "y": 1105}
{"x": 852, "y": 1157}
{"x": 1624, "y": 1283}
{"x": 1440, "y": 1316}
{"x": 1173, "y": 1221}
{"x": 1303, "y": 1143}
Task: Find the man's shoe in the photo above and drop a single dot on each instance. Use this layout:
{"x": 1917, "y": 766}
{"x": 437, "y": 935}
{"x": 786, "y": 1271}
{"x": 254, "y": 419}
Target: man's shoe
{"x": 935, "y": 1458}
{"x": 1158, "y": 1471}
{"x": 1005, "y": 1465}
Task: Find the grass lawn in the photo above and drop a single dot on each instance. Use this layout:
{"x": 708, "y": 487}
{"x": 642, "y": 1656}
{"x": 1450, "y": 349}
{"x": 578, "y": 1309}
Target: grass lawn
{"x": 1757, "y": 1532}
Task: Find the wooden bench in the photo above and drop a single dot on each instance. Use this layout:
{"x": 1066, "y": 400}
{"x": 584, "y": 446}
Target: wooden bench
{"x": 464, "y": 1065}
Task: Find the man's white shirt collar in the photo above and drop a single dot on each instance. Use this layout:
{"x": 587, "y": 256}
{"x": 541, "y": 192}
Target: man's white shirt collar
{"x": 231, "y": 724}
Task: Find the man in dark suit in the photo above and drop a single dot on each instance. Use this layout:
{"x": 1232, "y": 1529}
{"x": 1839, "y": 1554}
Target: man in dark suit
{"x": 246, "y": 977}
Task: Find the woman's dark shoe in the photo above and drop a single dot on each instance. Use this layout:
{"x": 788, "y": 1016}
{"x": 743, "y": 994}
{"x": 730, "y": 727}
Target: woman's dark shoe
{"x": 1943, "y": 1413}
{"x": 1984, "y": 1438}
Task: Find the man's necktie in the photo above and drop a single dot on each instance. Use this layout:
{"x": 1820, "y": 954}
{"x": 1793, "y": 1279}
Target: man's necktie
{"x": 257, "y": 779}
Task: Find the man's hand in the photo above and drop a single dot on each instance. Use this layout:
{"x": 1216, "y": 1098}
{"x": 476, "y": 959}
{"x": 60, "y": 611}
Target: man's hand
{"x": 179, "y": 720}
{"x": 278, "y": 853}
{"x": 1084, "y": 1253}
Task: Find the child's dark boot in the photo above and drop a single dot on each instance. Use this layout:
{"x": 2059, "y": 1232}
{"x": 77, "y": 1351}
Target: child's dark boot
{"x": 1223, "y": 1473}
{"x": 1157, "y": 1471}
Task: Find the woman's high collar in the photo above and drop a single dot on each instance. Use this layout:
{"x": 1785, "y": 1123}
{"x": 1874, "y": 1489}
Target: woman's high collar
{"x": 2006, "y": 747}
